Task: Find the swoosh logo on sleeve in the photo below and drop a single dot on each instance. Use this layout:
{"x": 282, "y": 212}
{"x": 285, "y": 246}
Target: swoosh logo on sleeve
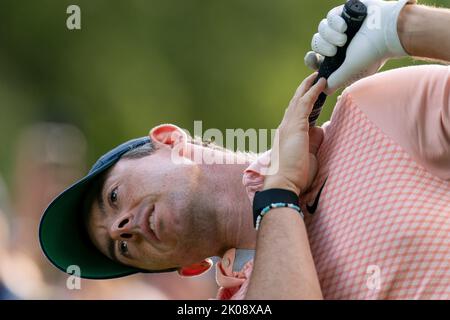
{"x": 313, "y": 208}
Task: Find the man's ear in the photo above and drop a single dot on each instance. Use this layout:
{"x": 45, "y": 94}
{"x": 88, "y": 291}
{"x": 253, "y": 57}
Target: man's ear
{"x": 168, "y": 135}
{"x": 195, "y": 269}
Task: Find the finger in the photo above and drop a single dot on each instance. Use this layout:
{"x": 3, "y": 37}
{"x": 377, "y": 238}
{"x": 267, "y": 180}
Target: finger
{"x": 301, "y": 108}
{"x": 323, "y": 47}
{"x": 335, "y": 20}
{"x": 313, "y": 60}
{"x": 331, "y": 35}
{"x": 313, "y": 93}
{"x": 312, "y": 172}
{"x": 304, "y": 86}
{"x": 315, "y": 139}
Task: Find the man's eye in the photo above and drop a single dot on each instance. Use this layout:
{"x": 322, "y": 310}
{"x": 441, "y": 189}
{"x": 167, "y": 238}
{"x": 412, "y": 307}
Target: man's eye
{"x": 113, "y": 195}
{"x": 123, "y": 247}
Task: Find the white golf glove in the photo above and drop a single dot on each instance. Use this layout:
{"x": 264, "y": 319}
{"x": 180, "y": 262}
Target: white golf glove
{"x": 372, "y": 46}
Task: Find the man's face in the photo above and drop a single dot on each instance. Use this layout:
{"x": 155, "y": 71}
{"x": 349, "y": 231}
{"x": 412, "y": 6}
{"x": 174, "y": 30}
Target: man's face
{"x": 149, "y": 214}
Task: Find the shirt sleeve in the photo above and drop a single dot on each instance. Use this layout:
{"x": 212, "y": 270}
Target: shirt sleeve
{"x": 412, "y": 106}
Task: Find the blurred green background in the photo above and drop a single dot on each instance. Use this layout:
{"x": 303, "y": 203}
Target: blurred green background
{"x": 137, "y": 63}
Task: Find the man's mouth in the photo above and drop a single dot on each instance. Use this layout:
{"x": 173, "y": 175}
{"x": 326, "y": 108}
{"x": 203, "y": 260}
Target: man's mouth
{"x": 151, "y": 221}
{"x": 149, "y": 225}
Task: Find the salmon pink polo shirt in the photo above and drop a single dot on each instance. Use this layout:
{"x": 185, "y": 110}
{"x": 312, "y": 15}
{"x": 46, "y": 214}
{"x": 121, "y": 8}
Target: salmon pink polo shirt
{"x": 381, "y": 229}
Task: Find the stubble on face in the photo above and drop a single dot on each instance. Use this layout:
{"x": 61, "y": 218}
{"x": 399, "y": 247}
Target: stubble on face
{"x": 199, "y": 236}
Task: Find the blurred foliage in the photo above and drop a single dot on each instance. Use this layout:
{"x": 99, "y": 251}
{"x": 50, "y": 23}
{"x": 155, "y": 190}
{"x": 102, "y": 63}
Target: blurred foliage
{"x": 137, "y": 63}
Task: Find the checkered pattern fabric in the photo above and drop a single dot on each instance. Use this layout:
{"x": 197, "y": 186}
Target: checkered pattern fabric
{"x": 382, "y": 229}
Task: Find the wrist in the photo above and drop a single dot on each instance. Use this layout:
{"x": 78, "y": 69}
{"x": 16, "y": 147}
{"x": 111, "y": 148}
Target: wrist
{"x": 276, "y": 182}
{"x": 393, "y": 32}
{"x": 404, "y": 23}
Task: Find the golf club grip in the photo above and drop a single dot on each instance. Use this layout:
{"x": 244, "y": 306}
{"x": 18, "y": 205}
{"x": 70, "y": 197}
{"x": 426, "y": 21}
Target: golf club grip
{"x": 354, "y": 13}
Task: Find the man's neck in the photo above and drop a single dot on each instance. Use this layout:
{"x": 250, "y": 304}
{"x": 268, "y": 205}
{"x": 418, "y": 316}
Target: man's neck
{"x": 231, "y": 204}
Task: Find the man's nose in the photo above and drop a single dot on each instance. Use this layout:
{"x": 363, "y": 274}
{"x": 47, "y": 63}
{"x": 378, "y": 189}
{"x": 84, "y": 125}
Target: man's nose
{"x": 123, "y": 228}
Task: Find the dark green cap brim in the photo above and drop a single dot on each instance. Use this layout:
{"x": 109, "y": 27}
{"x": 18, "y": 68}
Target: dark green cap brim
{"x": 65, "y": 242}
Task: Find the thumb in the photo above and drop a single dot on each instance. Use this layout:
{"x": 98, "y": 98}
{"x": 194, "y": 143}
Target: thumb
{"x": 312, "y": 172}
{"x": 315, "y": 139}
{"x": 313, "y": 60}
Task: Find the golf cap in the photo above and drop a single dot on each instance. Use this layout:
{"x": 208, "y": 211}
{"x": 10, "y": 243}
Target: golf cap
{"x": 62, "y": 232}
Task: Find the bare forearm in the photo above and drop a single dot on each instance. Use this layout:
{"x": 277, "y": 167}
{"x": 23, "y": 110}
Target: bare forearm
{"x": 425, "y": 32}
{"x": 284, "y": 267}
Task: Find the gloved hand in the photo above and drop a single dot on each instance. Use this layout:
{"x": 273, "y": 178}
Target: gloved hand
{"x": 375, "y": 43}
